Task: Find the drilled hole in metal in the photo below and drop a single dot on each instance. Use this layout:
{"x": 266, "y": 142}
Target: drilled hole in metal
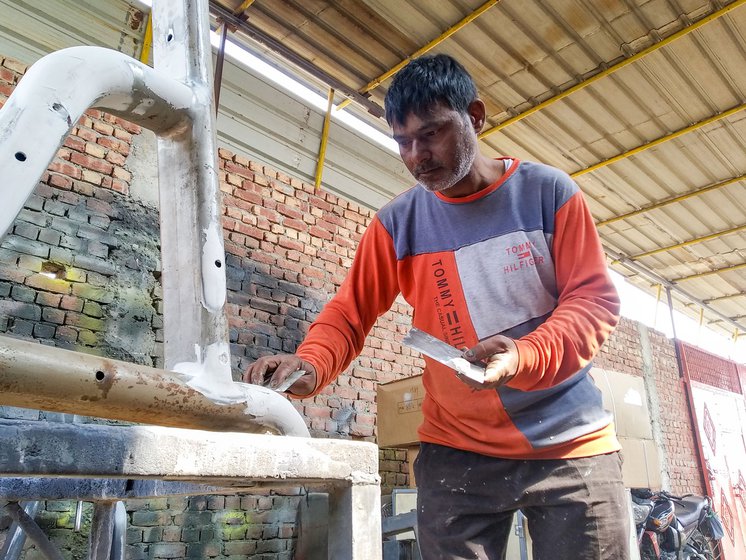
{"x": 218, "y": 264}
{"x": 20, "y": 156}
{"x": 100, "y": 376}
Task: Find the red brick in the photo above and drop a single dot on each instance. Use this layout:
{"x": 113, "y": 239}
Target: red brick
{"x": 72, "y": 303}
{"x": 316, "y": 231}
{"x": 104, "y": 128}
{"x": 288, "y": 243}
{"x": 15, "y": 66}
{"x": 239, "y": 170}
{"x": 86, "y": 134}
{"x": 248, "y": 196}
{"x": 289, "y": 211}
{"x": 92, "y": 163}
{"x": 74, "y": 143}
{"x": 48, "y": 284}
{"x": 8, "y": 76}
{"x": 123, "y": 135}
{"x": 64, "y": 168}
{"x": 295, "y": 224}
{"x": 130, "y": 127}
{"x": 60, "y": 181}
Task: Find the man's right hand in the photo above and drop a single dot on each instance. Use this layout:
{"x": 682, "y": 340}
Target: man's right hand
{"x": 270, "y": 371}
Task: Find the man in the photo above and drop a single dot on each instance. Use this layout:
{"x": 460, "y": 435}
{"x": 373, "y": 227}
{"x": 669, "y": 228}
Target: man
{"x": 501, "y": 257}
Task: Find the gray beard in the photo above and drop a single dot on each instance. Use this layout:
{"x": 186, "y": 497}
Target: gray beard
{"x": 466, "y": 154}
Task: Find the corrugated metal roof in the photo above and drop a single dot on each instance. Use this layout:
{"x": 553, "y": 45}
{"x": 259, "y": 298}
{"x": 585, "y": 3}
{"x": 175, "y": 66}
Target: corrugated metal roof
{"x": 525, "y": 53}
{"x": 641, "y": 138}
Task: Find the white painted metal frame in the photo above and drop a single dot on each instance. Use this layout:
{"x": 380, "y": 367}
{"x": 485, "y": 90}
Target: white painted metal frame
{"x": 175, "y": 101}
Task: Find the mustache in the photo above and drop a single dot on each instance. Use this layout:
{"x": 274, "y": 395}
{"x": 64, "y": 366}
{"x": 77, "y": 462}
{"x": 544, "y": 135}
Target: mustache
{"x": 425, "y": 168}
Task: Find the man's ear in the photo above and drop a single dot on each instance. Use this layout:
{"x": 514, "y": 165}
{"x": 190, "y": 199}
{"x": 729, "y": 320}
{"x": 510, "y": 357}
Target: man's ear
{"x": 477, "y": 114}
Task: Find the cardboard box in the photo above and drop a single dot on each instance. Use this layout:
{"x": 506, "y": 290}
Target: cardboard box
{"x": 399, "y": 406}
{"x": 400, "y": 414}
{"x": 640, "y": 468}
{"x": 625, "y": 397}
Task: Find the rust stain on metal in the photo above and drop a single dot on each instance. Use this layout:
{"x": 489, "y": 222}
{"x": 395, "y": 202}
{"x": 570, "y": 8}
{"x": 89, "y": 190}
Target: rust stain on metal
{"x": 135, "y": 18}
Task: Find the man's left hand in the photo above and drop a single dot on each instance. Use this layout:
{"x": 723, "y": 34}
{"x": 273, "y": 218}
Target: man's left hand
{"x": 500, "y": 354}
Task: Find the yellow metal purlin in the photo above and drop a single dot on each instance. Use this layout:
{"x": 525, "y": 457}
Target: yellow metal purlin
{"x": 686, "y": 130}
{"x": 324, "y": 139}
{"x": 672, "y": 200}
{"x": 147, "y": 42}
{"x": 242, "y": 8}
{"x": 632, "y": 59}
{"x": 450, "y": 31}
{"x": 722, "y": 298}
{"x": 711, "y": 273}
{"x": 687, "y": 243}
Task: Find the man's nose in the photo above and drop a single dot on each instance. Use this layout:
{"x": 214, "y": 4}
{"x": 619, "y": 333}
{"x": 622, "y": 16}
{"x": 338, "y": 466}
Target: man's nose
{"x": 420, "y": 151}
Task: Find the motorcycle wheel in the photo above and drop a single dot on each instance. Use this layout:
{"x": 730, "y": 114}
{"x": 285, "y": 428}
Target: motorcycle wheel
{"x": 706, "y": 547}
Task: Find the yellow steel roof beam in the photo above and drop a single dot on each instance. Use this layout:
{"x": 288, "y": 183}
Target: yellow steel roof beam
{"x": 672, "y": 200}
{"x": 710, "y": 273}
{"x": 724, "y": 298}
{"x": 632, "y": 59}
{"x": 324, "y": 139}
{"x": 243, "y": 7}
{"x": 435, "y": 42}
{"x": 147, "y": 41}
{"x": 690, "y": 242}
{"x": 661, "y": 140}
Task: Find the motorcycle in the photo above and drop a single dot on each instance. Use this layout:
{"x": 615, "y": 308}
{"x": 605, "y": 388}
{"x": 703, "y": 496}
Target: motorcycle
{"x": 675, "y": 527}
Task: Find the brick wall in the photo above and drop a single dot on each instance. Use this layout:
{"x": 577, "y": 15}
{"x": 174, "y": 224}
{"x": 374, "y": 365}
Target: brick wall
{"x": 287, "y": 251}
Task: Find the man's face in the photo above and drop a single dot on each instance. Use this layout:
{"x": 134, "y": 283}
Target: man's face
{"x": 438, "y": 147}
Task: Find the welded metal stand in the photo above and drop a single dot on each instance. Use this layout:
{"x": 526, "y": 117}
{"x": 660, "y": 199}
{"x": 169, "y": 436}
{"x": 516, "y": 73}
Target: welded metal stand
{"x": 40, "y": 460}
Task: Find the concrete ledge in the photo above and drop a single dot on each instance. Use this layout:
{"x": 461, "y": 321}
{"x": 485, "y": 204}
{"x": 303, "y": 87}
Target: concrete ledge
{"x": 99, "y": 451}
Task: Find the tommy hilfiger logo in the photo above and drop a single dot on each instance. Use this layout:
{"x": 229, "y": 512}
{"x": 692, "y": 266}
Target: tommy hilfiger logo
{"x": 523, "y": 256}
{"x": 450, "y": 323}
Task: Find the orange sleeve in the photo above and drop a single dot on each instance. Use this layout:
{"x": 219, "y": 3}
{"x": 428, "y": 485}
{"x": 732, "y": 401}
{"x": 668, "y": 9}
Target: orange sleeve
{"x": 338, "y": 334}
{"x": 587, "y": 309}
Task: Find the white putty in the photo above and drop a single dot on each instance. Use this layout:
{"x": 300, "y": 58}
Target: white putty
{"x": 213, "y": 268}
{"x": 210, "y": 374}
{"x": 53, "y": 95}
{"x": 466, "y": 368}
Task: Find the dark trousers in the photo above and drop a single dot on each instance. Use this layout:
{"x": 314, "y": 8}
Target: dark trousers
{"x": 576, "y": 508}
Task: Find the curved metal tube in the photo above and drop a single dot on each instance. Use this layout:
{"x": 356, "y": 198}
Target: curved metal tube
{"x": 54, "y": 94}
{"x": 47, "y": 378}
{"x": 175, "y": 103}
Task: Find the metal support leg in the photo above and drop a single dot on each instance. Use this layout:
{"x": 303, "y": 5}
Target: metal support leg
{"x": 16, "y": 538}
{"x": 119, "y": 537}
{"x": 102, "y": 529}
{"x": 33, "y": 531}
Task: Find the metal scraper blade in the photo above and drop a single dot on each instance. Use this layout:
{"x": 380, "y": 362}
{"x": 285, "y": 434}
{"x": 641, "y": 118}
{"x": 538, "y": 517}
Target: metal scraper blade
{"x": 289, "y": 380}
{"x": 443, "y": 353}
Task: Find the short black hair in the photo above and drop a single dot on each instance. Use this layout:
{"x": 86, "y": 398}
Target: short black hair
{"x": 425, "y": 81}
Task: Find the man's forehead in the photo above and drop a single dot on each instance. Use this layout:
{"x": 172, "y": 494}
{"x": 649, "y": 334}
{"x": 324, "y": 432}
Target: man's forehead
{"x": 435, "y": 113}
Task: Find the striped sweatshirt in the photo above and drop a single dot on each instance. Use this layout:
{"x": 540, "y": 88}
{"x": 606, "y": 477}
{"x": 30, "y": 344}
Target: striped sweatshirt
{"x": 520, "y": 258}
